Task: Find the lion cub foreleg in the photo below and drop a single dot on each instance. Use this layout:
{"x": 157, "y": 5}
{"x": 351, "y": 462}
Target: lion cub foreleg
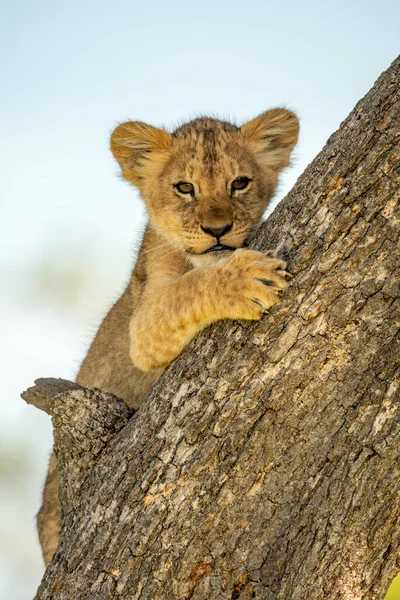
{"x": 173, "y": 311}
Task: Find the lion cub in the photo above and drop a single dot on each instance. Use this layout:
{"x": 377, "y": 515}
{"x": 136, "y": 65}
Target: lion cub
{"x": 206, "y": 187}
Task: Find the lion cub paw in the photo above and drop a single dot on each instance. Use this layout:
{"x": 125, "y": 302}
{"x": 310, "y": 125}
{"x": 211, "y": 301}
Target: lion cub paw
{"x": 253, "y": 282}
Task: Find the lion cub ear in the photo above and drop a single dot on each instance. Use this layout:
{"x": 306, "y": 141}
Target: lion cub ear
{"x": 272, "y": 136}
{"x": 139, "y": 148}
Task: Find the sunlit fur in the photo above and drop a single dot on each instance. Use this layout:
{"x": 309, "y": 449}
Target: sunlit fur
{"x": 175, "y": 290}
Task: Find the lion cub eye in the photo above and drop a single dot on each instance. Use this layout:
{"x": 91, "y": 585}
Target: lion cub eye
{"x": 184, "y": 187}
{"x": 240, "y": 183}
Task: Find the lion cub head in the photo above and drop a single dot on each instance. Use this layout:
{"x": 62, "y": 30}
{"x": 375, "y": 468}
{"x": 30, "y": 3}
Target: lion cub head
{"x": 207, "y": 184}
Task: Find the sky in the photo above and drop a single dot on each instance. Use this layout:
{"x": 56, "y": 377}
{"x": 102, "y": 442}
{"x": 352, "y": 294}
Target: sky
{"x": 69, "y": 73}
{"x": 72, "y": 71}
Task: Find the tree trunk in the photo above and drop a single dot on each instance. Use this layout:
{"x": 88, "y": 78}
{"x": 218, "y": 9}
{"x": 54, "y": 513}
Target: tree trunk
{"x": 264, "y": 463}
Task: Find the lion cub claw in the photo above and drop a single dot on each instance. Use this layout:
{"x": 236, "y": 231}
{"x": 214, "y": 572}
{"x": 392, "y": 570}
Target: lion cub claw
{"x": 252, "y": 283}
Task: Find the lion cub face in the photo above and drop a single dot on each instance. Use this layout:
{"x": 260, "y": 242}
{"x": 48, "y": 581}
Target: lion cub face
{"x": 207, "y": 185}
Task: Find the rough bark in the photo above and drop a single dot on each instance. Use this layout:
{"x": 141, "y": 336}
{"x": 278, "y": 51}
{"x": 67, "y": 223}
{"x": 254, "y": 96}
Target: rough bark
{"x": 264, "y": 463}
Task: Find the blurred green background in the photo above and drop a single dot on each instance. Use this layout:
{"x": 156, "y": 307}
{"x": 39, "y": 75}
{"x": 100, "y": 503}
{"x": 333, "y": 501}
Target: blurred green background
{"x": 394, "y": 590}
{"x": 69, "y": 226}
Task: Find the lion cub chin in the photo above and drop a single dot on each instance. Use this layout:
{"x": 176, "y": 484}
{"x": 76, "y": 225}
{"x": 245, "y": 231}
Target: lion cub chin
{"x": 206, "y": 186}
{"x": 212, "y": 258}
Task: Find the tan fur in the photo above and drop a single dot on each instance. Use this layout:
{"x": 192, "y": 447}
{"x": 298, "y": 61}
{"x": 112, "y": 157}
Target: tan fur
{"x": 49, "y": 516}
{"x": 176, "y": 290}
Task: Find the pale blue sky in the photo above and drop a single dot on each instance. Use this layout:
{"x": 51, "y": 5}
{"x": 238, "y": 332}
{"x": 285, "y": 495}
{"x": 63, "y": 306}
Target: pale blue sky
{"x": 69, "y": 72}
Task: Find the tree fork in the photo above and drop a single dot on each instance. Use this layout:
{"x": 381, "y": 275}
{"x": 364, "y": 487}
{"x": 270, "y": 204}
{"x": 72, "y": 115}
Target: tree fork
{"x": 265, "y": 462}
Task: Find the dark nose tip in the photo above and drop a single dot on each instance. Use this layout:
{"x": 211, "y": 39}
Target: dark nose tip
{"x": 217, "y": 232}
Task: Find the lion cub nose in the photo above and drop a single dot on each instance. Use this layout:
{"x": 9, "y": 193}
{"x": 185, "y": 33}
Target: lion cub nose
{"x": 217, "y": 232}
